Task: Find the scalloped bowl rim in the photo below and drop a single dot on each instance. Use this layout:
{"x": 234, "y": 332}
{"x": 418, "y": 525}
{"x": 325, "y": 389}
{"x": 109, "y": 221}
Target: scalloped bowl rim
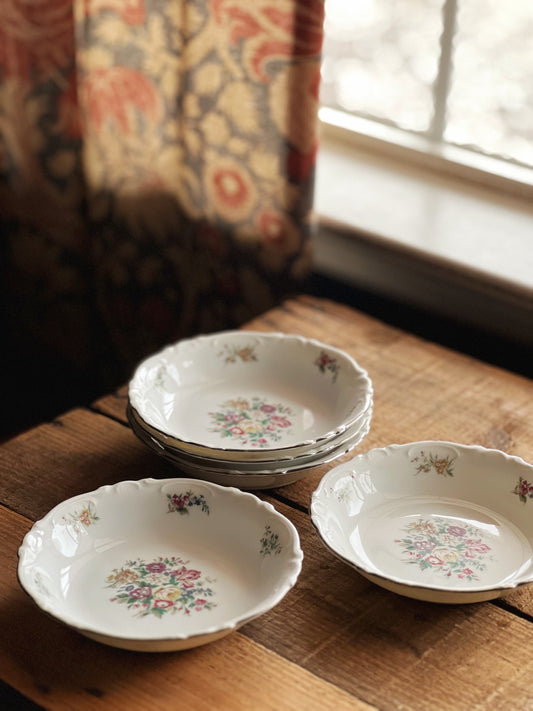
{"x": 268, "y": 451}
{"x": 401, "y": 585}
{"x": 292, "y": 563}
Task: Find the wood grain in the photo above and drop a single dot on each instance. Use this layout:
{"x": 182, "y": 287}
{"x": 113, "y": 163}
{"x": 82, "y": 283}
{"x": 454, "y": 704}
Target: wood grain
{"x": 336, "y": 640}
{"x": 57, "y": 667}
{"x": 394, "y": 652}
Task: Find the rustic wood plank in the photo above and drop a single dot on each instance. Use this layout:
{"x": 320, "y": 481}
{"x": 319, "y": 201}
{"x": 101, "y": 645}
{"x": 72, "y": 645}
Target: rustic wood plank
{"x": 394, "y": 652}
{"x": 75, "y": 453}
{"x": 334, "y": 624}
{"x": 113, "y": 404}
{"x": 336, "y": 640}
{"x": 58, "y": 668}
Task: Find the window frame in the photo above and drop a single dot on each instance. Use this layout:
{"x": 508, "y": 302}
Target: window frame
{"x": 428, "y": 149}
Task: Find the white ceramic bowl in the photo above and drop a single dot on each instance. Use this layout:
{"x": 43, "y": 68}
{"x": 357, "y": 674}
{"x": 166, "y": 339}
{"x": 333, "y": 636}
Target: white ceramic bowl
{"x": 278, "y": 459}
{"x": 435, "y": 521}
{"x": 250, "y": 395}
{"x": 255, "y": 474}
{"x": 159, "y": 565}
{"x": 246, "y": 476}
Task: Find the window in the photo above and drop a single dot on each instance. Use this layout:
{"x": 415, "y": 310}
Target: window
{"x": 451, "y": 81}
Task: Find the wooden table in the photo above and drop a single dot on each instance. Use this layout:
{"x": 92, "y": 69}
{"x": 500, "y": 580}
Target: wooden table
{"x": 336, "y": 641}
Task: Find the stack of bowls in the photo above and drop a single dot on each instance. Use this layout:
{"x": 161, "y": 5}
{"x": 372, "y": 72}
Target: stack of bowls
{"x": 250, "y": 409}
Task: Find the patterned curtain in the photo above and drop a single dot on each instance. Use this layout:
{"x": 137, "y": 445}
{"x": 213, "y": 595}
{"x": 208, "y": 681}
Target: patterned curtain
{"x": 156, "y": 168}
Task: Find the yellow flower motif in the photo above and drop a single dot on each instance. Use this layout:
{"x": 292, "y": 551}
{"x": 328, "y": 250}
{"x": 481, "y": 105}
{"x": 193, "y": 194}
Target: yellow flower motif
{"x": 447, "y": 555}
{"x": 121, "y": 577}
{"x": 422, "y": 528}
{"x": 246, "y": 354}
{"x": 168, "y": 592}
{"x": 239, "y": 404}
{"x": 85, "y": 517}
{"x": 249, "y": 426}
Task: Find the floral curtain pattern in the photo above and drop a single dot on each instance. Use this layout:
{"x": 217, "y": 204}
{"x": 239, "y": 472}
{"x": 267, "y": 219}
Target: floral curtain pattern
{"x": 156, "y": 167}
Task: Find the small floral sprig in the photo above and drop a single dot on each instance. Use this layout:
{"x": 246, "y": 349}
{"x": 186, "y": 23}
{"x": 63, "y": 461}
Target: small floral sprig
{"x": 524, "y": 490}
{"x": 326, "y": 363}
{"x": 85, "y": 517}
{"x": 181, "y": 503}
{"x": 270, "y": 544}
{"x": 441, "y": 465}
{"x": 231, "y": 354}
{"x": 345, "y": 493}
{"x": 159, "y": 381}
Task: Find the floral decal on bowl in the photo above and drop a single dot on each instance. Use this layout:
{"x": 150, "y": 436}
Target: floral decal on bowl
{"x": 524, "y": 490}
{"x": 232, "y": 354}
{"x": 42, "y": 589}
{"x": 344, "y": 493}
{"x": 84, "y": 518}
{"x": 161, "y": 586}
{"x": 325, "y": 363}
{"x": 159, "y": 380}
{"x": 252, "y": 422}
{"x": 428, "y": 462}
{"x": 183, "y": 502}
{"x": 454, "y": 551}
{"x": 270, "y": 544}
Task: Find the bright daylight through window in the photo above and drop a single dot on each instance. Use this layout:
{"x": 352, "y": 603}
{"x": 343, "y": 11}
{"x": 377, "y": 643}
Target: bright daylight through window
{"x": 452, "y": 73}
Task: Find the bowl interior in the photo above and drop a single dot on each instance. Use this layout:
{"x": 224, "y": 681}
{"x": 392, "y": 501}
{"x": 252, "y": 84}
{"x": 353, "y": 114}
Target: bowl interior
{"x": 242, "y": 390}
{"x": 431, "y": 514}
{"x": 160, "y": 559}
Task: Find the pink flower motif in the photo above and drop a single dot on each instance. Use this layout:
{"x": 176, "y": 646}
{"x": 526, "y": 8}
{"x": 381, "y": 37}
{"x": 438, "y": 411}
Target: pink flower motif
{"x": 156, "y": 567}
{"x": 141, "y": 593}
{"x": 267, "y": 408}
{"x": 424, "y": 545}
{"x": 163, "y": 604}
{"x": 237, "y": 431}
{"x": 280, "y": 421}
{"x": 324, "y": 360}
{"x": 467, "y": 571}
{"x": 480, "y": 548}
{"x": 433, "y": 560}
{"x": 456, "y": 530}
{"x": 525, "y": 487}
{"x": 180, "y": 501}
{"x": 185, "y": 574}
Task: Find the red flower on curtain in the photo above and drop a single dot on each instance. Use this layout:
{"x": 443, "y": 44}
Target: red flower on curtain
{"x": 230, "y": 189}
{"x": 272, "y": 225}
{"x": 116, "y": 94}
{"x": 294, "y": 30}
{"x": 36, "y": 37}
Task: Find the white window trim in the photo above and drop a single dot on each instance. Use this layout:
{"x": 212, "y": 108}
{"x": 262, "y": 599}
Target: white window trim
{"x": 470, "y": 165}
{"x": 409, "y": 224}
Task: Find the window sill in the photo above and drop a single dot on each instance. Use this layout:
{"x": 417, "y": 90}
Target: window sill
{"x": 460, "y": 250}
